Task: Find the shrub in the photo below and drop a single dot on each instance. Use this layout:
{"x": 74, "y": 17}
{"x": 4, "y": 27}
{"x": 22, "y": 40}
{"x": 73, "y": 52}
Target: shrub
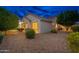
{"x": 1, "y": 37}
{"x": 73, "y": 41}
{"x": 53, "y": 31}
{"x": 30, "y": 33}
{"x": 75, "y": 28}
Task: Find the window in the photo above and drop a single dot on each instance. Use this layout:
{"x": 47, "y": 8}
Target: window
{"x": 35, "y": 27}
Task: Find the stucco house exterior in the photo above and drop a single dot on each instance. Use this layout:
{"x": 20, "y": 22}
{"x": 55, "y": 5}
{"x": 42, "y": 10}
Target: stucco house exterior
{"x": 39, "y": 24}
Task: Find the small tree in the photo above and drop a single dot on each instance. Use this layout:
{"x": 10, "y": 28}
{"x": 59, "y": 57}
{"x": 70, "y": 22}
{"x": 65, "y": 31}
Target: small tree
{"x": 8, "y": 20}
{"x": 67, "y": 18}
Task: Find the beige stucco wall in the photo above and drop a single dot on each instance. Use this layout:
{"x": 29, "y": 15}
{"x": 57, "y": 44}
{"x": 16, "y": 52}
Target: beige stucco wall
{"x": 45, "y": 27}
{"x": 42, "y": 26}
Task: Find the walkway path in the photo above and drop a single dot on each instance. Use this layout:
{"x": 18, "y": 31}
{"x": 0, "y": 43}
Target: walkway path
{"x": 48, "y": 42}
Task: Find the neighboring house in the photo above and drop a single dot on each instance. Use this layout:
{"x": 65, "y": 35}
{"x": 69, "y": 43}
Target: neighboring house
{"x": 39, "y": 24}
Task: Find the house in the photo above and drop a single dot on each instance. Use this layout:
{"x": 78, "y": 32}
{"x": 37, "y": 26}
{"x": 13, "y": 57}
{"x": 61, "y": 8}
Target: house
{"x": 39, "y": 24}
{"x": 56, "y": 26}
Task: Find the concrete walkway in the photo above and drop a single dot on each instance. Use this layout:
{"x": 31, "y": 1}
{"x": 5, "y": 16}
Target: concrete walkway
{"x": 47, "y": 42}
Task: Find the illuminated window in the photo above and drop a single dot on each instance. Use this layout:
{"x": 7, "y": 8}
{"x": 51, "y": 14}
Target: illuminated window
{"x": 35, "y": 27}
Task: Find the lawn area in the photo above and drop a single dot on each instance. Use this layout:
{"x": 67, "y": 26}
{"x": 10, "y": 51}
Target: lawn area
{"x": 48, "y": 42}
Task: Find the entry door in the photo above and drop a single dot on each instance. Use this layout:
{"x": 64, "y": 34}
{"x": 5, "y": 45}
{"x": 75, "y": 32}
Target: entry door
{"x": 35, "y": 27}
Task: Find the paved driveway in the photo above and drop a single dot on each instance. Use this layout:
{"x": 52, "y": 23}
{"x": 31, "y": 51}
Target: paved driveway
{"x": 47, "y": 42}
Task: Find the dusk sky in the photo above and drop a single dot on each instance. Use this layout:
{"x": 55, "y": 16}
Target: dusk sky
{"x": 43, "y": 11}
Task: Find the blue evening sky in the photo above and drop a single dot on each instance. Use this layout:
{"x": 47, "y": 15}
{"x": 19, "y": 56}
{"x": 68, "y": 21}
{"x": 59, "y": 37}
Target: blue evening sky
{"x": 43, "y": 11}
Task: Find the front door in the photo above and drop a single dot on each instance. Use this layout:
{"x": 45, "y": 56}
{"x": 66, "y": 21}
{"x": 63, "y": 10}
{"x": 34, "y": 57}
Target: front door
{"x": 35, "y": 27}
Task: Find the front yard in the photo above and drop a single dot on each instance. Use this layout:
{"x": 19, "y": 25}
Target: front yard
{"x": 48, "y": 42}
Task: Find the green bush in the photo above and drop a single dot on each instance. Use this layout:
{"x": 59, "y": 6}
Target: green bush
{"x": 53, "y": 31}
{"x": 73, "y": 41}
{"x": 75, "y": 28}
{"x": 30, "y": 33}
{"x": 1, "y": 37}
